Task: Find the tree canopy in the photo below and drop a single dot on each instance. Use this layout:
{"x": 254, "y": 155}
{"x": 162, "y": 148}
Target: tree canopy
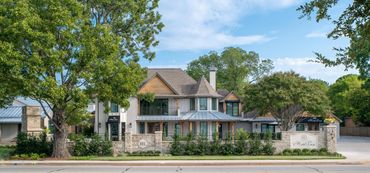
{"x": 353, "y": 23}
{"x": 235, "y": 68}
{"x": 340, "y": 93}
{"x": 64, "y": 53}
{"x": 286, "y": 95}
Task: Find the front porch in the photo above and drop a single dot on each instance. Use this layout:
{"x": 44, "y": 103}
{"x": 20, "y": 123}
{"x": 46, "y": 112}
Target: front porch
{"x": 184, "y": 128}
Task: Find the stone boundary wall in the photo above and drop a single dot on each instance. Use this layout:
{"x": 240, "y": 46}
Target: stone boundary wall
{"x": 325, "y": 138}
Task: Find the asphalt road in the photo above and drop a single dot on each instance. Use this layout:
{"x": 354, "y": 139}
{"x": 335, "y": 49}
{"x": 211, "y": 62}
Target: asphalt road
{"x": 188, "y": 169}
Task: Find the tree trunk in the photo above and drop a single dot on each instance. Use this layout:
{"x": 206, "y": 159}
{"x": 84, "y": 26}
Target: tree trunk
{"x": 60, "y": 149}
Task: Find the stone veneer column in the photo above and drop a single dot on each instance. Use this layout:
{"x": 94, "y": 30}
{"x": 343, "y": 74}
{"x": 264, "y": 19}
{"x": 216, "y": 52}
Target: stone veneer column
{"x": 158, "y": 139}
{"x": 31, "y": 120}
{"x": 330, "y": 137}
{"x": 128, "y": 142}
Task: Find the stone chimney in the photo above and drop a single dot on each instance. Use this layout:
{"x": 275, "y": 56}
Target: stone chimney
{"x": 31, "y": 120}
{"x": 212, "y": 76}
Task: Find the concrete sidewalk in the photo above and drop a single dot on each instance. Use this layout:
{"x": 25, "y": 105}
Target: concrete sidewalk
{"x": 188, "y": 162}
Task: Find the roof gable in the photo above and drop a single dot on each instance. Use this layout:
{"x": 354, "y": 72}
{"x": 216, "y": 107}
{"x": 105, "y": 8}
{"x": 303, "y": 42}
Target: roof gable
{"x": 157, "y": 85}
{"x": 203, "y": 88}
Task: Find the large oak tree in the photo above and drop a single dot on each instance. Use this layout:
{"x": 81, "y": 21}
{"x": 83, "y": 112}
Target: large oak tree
{"x": 353, "y": 23}
{"x": 286, "y": 95}
{"x": 235, "y": 67}
{"x": 63, "y": 53}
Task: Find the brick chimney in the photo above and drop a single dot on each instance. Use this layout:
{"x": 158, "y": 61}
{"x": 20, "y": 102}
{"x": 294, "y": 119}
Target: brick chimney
{"x": 212, "y": 76}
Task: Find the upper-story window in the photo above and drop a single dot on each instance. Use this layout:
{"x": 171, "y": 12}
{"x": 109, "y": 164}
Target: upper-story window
{"x": 113, "y": 107}
{"x": 192, "y": 104}
{"x": 214, "y": 104}
{"x": 157, "y": 107}
{"x": 202, "y": 103}
{"x": 232, "y": 108}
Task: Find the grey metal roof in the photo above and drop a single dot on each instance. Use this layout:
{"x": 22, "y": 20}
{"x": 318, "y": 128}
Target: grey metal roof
{"x": 208, "y": 116}
{"x": 158, "y": 118}
{"x": 13, "y": 114}
{"x": 263, "y": 119}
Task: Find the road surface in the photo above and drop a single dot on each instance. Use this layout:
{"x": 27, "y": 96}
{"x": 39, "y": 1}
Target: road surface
{"x": 188, "y": 169}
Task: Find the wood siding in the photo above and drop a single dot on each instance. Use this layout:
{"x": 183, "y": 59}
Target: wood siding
{"x": 156, "y": 86}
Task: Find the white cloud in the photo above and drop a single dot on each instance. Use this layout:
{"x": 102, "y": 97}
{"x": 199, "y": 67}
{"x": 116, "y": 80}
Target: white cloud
{"x": 316, "y": 34}
{"x": 311, "y": 69}
{"x": 206, "y": 24}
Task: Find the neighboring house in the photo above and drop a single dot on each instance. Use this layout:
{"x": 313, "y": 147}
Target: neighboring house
{"x": 11, "y": 121}
{"x": 182, "y": 105}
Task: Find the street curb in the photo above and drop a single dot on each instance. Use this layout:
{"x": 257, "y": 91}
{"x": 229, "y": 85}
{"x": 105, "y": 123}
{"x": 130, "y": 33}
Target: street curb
{"x": 174, "y": 163}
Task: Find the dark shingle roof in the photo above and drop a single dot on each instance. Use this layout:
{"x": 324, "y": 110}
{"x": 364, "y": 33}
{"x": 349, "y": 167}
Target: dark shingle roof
{"x": 204, "y": 89}
{"x": 182, "y": 83}
{"x": 223, "y": 92}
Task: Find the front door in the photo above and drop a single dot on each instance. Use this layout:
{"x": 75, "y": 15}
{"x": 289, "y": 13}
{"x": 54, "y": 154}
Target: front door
{"x": 114, "y": 134}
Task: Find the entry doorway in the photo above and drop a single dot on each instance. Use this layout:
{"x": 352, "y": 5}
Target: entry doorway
{"x": 114, "y": 133}
{"x": 220, "y": 131}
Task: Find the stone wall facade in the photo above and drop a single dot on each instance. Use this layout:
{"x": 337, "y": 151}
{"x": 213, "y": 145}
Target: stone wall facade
{"x": 325, "y": 138}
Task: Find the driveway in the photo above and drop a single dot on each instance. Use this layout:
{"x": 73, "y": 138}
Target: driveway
{"x": 354, "y": 148}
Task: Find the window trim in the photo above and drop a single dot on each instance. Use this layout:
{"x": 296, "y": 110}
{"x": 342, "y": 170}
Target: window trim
{"x": 192, "y": 104}
{"x": 233, "y": 105}
{"x": 114, "y": 105}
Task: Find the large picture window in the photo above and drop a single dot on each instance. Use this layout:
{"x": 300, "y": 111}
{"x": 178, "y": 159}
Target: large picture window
{"x": 232, "y": 108}
{"x": 157, "y": 107}
{"x": 203, "y": 103}
{"x": 268, "y": 128}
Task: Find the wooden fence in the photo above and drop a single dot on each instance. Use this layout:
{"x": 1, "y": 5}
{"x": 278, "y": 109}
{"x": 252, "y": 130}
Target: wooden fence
{"x": 355, "y": 131}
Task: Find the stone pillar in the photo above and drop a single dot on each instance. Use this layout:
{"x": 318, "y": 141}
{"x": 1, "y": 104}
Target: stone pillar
{"x": 330, "y": 137}
{"x": 158, "y": 139}
{"x": 31, "y": 120}
{"x": 128, "y": 142}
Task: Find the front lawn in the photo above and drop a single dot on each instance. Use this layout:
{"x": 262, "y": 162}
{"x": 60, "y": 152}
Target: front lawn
{"x": 5, "y": 152}
{"x": 276, "y": 157}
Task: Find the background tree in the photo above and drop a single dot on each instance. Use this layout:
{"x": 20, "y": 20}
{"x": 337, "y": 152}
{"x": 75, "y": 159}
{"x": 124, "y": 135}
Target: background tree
{"x": 353, "y": 23}
{"x": 286, "y": 95}
{"x": 64, "y": 53}
{"x": 235, "y": 67}
{"x": 340, "y": 93}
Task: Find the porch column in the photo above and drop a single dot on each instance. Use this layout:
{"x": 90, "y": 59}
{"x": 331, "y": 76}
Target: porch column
{"x": 217, "y": 133}
{"x": 182, "y": 128}
{"x": 233, "y": 129}
{"x": 190, "y": 127}
{"x": 161, "y": 126}
{"x": 145, "y": 127}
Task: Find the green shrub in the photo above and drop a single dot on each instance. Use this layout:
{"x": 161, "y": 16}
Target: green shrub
{"x": 27, "y": 144}
{"x": 176, "y": 148}
{"x": 268, "y": 147}
{"x": 93, "y": 146}
{"x": 227, "y": 149}
{"x": 297, "y": 152}
{"x": 287, "y": 152}
{"x": 241, "y": 144}
{"x": 323, "y": 150}
{"x": 203, "y": 146}
{"x": 306, "y": 152}
{"x": 215, "y": 148}
{"x": 255, "y": 145}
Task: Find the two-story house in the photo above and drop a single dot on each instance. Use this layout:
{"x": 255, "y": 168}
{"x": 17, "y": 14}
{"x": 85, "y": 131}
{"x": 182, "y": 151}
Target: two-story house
{"x": 182, "y": 105}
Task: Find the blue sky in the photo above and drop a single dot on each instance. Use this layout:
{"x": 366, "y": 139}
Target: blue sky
{"x": 269, "y": 27}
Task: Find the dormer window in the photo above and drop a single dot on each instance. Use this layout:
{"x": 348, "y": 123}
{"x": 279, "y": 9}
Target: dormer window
{"x": 202, "y": 103}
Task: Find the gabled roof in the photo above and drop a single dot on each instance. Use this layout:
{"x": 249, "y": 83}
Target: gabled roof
{"x": 204, "y": 89}
{"x": 225, "y": 93}
{"x": 175, "y": 78}
{"x": 181, "y": 83}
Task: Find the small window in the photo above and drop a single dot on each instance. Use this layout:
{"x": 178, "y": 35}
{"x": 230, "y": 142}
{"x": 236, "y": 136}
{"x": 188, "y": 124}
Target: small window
{"x": 113, "y": 107}
{"x": 203, "y": 103}
{"x": 299, "y": 127}
{"x": 192, "y": 104}
{"x": 214, "y": 104}
{"x": 232, "y": 108}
